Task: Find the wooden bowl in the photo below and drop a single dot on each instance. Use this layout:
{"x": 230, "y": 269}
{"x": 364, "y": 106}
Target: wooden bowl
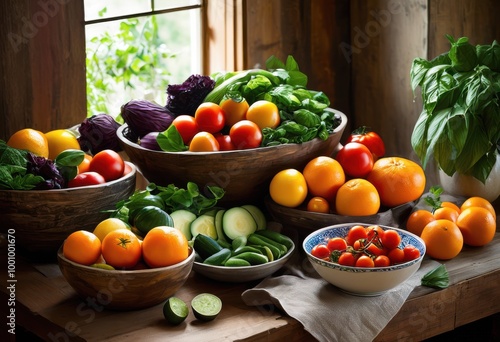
{"x": 125, "y": 290}
{"x": 243, "y": 174}
{"x": 40, "y": 220}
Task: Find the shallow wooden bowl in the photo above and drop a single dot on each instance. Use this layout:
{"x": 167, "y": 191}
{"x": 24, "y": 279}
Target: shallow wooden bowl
{"x": 125, "y": 290}
{"x": 243, "y": 174}
{"x": 40, "y": 220}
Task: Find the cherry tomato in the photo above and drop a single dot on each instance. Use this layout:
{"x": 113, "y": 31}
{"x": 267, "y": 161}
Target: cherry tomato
{"x": 373, "y": 249}
{"x": 85, "y": 179}
{"x": 370, "y": 139}
{"x": 396, "y": 255}
{"x": 356, "y": 159}
{"x": 108, "y": 164}
{"x": 245, "y": 134}
{"x": 210, "y": 117}
{"x": 320, "y": 251}
{"x": 391, "y": 239}
{"x": 225, "y": 143}
{"x": 186, "y": 126}
{"x": 374, "y": 231}
{"x": 355, "y": 233}
{"x": 347, "y": 259}
{"x": 364, "y": 261}
{"x": 382, "y": 261}
{"x": 264, "y": 114}
{"x": 411, "y": 253}
{"x": 203, "y": 142}
{"x": 337, "y": 244}
{"x": 235, "y": 109}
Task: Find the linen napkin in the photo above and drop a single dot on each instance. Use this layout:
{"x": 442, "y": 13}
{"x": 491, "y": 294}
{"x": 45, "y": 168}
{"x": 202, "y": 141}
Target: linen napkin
{"x": 326, "y": 312}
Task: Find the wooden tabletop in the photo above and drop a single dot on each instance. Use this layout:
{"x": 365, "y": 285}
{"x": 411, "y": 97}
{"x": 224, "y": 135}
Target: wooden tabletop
{"x": 47, "y": 306}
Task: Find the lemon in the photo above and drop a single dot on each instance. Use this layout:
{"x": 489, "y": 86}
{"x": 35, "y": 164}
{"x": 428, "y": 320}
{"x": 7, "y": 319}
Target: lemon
{"x": 109, "y": 225}
{"x": 31, "y": 140}
{"x": 60, "y": 140}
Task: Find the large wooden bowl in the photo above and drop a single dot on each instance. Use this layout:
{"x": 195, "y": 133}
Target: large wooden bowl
{"x": 243, "y": 174}
{"x": 40, "y": 220}
{"x": 125, "y": 290}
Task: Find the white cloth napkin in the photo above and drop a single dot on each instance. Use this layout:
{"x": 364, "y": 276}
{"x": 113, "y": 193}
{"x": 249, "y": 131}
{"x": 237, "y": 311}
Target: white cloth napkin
{"x": 326, "y": 312}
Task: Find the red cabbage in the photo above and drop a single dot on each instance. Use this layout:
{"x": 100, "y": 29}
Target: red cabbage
{"x": 143, "y": 117}
{"x": 40, "y": 166}
{"x": 186, "y": 97}
{"x": 98, "y": 133}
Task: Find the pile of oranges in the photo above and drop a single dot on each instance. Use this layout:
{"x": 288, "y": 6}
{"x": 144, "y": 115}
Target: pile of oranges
{"x": 447, "y": 227}
{"x": 323, "y": 186}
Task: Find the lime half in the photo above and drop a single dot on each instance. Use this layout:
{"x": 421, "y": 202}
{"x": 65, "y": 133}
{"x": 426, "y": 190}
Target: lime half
{"x": 175, "y": 310}
{"x": 206, "y": 306}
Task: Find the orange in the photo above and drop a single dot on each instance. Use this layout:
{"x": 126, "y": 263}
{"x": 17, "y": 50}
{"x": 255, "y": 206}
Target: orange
{"x": 319, "y": 205}
{"x": 418, "y": 220}
{"x": 288, "y": 188}
{"x": 477, "y": 225}
{"x": 31, "y": 140}
{"x": 84, "y": 165}
{"x": 164, "y": 246}
{"x": 476, "y": 201}
{"x": 451, "y": 205}
{"x": 60, "y": 140}
{"x": 357, "y": 197}
{"x": 324, "y": 176}
{"x": 121, "y": 248}
{"x": 82, "y": 247}
{"x": 443, "y": 239}
{"x": 446, "y": 213}
{"x": 398, "y": 180}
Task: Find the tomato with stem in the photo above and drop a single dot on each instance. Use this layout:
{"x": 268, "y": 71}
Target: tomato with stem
{"x": 370, "y": 139}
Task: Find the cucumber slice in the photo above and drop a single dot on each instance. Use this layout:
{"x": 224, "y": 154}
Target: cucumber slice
{"x": 257, "y": 215}
{"x": 221, "y": 238}
{"x": 175, "y": 310}
{"x": 206, "y": 306}
{"x": 182, "y": 221}
{"x": 237, "y": 221}
{"x": 204, "y": 224}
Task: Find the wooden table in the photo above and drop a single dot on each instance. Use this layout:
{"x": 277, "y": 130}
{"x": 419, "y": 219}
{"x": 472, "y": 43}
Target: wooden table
{"x": 47, "y": 306}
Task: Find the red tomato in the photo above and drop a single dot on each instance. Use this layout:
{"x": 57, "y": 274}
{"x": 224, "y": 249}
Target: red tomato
{"x": 391, "y": 239}
{"x": 186, "y": 126}
{"x": 364, "y": 261}
{"x": 411, "y": 252}
{"x": 370, "y": 139}
{"x": 347, "y": 259}
{"x": 108, "y": 164}
{"x": 356, "y": 159}
{"x": 396, "y": 255}
{"x": 355, "y": 233}
{"x": 85, "y": 179}
{"x": 337, "y": 244}
{"x": 225, "y": 143}
{"x": 382, "y": 261}
{"x": 245, "y": 134}
{"x": 373, "y": 232}
{"x": 210, "y": 117}
{"x": 203, "y": 142}
{"x": 320, "y": 251}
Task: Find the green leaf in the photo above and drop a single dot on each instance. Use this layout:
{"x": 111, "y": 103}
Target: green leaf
{"x": 436, "y": 278}
{"x": 170, "y": 140}
{"x": 70, "y": 157}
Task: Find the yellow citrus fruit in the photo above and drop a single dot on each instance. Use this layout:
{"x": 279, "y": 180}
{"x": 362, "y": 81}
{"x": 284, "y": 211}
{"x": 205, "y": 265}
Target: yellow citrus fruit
{"x": 108, "y": 225}
{"x": 324, "y": 176}
{"x": 443, "y": 239}
{"x": 477, "y": 225}
{"x": 31, "y": 140}
{"x": 288, "y": 188}
{"x": 60, "y": 140}
{"x": 357, "y": 197}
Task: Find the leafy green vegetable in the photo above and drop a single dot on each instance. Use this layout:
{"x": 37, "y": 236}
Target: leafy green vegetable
{"x": 13, "y": 163}
{"x": 437, "y": 278}
{"x": 460, "y": 121}
{"x": 170, "y": 140}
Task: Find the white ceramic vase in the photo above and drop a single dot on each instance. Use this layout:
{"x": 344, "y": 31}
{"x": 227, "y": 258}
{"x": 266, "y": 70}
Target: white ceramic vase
{"x": 467, "y": 186}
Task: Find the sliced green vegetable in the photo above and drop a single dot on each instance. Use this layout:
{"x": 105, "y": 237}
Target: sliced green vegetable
{"x": 238, "y": 222}
{"x": 257, "y": 215}
{"x": 182, "y": 221}
{"x": 175, "y": 310}
{"x": 206, "y": 306}
{"x": 204, "y": 224}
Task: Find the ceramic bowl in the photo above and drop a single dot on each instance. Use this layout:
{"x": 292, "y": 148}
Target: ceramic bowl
{"x": 243, "y": 174}
{"x": 125, "y": 290}
{"x": 244, "y": 273}
{"x": 40, "y": 220}
{"x": 358, "y": 280}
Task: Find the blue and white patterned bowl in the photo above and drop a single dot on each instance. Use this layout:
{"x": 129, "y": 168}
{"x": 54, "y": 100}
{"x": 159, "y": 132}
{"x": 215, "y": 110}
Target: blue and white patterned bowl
{"x": 359, "y": 280}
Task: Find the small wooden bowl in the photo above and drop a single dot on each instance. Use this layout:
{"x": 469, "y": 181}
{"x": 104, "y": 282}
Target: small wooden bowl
{"x": 126, "y": 290}
{"x": 40, "y": 220}
{"x": 243, "y": 174}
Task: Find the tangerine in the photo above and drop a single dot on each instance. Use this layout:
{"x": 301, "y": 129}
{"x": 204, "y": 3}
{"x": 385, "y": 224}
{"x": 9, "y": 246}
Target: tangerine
{"x": 418, "y": 220}
{"x": 60, "y": 140}
{"x": 31, "y": 140}
{"x": 477, "y": 201}
{"x": 82, "y": 247}
{"x": 324, "y": 176}
{"x": 84, "y": 165}
{"x": 478, "y": 226}
{"x": 443, "y": 239}
{"x": 164, "y": 246}
{"x": 318, "y": 205}
{"x": 357, "y": 197}
{"x": 288, "y": 188}
{"x": 398, "y": 180}
{"x": 452, "y": 205}
{"x": 446, "y": 213}
{"x": 121, "y": 248}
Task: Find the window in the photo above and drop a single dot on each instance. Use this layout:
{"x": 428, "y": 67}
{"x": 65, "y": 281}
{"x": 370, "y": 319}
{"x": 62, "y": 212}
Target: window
{"x": 136, "y": 48}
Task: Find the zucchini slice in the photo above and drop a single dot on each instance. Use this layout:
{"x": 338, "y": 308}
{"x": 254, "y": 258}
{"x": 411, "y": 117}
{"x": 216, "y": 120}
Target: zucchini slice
{"x": 238, "y": 221}
{"x": 204, "y": 224}
{"x": 182, "y": 221}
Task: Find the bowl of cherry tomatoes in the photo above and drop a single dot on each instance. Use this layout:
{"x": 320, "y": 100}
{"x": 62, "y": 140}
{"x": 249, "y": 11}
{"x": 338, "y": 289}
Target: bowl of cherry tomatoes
{"x": 364, "y": 259}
